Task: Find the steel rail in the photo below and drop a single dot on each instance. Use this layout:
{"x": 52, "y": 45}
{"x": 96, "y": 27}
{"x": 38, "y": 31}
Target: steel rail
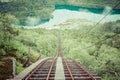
{"x": 36, "y": 69}
{"x": 50, "y": 70}
{"x": 92, "y": 77}
{"x": 72, "y": 69}
{"x": 68, "y": 69}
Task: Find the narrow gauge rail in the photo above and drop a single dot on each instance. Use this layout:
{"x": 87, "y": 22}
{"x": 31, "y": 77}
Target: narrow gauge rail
{"x": 59, "y": 68}
{"x": 44, "y": 71}
{"x": 72, "y": 71}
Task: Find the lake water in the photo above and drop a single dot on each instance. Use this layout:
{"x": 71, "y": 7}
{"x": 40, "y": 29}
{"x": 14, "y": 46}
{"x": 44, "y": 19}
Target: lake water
{"x": 63, "y": 13}
{"x": 93, "y": 10}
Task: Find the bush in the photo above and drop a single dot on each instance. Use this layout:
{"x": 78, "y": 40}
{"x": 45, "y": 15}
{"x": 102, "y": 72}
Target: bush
{"x": 2, "y": 52}
{"x": 19, "y": 68}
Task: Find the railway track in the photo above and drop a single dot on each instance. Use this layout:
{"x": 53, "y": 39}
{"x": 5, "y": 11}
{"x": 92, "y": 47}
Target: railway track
{"x": 72, "y": 71}
{"x": 59, "y": 68}
{"x": 44, "y": 71}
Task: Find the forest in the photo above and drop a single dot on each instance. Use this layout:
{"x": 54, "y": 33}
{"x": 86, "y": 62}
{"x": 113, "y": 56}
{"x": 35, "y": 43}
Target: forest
{"x": 96, "y": 47}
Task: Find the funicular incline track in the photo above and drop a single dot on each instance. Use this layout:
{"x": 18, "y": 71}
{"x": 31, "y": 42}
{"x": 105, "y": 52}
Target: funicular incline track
{"x": 59, "y": 68}
{"x": 72, "y": 71}
{"x": 44, "y": 71}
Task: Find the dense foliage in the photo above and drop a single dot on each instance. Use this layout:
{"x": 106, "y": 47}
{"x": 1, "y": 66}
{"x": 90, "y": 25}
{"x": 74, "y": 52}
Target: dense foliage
{"x": 24, "y": 44}
{"x": 21, "y": 10}
{"x": 98, "y": 49}
{"x": 40, "y": 40}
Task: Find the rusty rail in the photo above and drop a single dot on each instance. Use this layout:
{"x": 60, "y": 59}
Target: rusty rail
{"x": 53, "y": 63}
{"x": 91, "y": 76}
{"x": 45, "y": 71}
{"x": 66, "y": 65}
{"x": 35, "y": 69}
{"x": 74, "y": 71}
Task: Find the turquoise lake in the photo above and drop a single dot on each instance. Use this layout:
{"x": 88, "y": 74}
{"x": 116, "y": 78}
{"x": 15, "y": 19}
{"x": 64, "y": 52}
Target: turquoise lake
{"x": 63, "y": 13}
{"x": 94, "y": 10}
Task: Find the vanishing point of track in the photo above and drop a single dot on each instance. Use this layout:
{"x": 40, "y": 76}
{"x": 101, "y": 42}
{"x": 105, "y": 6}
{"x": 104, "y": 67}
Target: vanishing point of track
{"x": 59, "y": 68}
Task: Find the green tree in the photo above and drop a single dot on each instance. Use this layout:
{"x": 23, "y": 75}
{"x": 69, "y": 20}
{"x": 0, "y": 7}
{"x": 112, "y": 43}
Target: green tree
{"x": 7, "y": 34}
{"x": 7, "y": 30}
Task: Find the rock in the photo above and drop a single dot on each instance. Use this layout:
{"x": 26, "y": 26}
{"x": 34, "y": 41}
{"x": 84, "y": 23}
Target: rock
{"x": 6, "y": 70}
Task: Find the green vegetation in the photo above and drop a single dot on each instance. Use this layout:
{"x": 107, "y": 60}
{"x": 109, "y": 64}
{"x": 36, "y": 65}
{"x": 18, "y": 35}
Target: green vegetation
{"x": 98, "y": 49}
{"x": 42, "y": 43}
{"x": 20, "y": 10}
{"x": 20, "y": 43}
{"x": 40, "y": 40}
